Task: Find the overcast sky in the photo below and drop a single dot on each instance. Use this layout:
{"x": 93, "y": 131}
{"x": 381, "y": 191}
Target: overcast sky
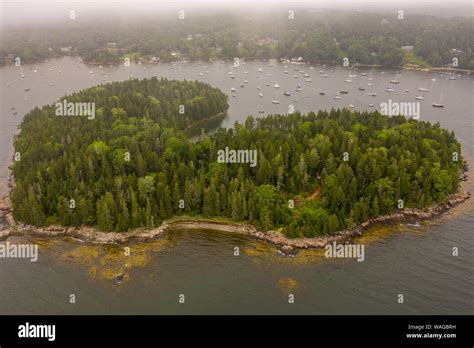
{"x": 21, "y": 11}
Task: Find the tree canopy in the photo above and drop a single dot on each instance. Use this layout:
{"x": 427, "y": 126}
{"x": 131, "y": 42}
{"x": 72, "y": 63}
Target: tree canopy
{"x": 134, "y": 166}
{"x": 364, "y": 38}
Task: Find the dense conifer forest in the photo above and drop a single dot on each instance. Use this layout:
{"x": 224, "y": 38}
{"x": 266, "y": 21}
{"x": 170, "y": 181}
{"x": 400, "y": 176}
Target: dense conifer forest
{"x": 133, "y": 165}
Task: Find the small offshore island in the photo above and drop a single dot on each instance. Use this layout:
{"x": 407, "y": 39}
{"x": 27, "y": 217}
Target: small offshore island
{"x": 131, "y": 173}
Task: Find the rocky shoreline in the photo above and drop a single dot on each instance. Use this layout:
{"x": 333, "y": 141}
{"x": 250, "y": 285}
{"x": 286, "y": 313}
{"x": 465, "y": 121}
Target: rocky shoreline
{"x": 285, "y": 245}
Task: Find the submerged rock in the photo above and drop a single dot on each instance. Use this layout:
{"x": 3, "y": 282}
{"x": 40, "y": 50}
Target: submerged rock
{"x": 119, "y": 277}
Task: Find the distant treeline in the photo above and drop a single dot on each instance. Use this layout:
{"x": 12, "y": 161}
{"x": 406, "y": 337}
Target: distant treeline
{"x": 132, "y": 166}
{"x": 328, "y": 36}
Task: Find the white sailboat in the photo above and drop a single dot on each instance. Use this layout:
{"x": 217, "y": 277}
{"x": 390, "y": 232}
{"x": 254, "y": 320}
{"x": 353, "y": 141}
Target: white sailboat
{"x": 423, "y": 88}
{"x": 395, "y": 81}
{"x": 419, "y": 97}
{"x": 439, "y": 104}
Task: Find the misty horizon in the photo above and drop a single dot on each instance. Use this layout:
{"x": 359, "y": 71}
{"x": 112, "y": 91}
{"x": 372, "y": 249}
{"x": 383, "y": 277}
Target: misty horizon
{"x": 21, "y": 13}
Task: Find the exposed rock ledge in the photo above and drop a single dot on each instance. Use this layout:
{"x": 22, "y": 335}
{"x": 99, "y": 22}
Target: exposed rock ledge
{"x": 8, "y": 227}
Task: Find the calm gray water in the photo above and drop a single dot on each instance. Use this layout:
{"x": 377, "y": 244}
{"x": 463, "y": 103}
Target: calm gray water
{"x": 414, "y": 261}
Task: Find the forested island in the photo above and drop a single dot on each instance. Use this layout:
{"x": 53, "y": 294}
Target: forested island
{"x": 383, "y": 39}
{"x": 133, "y": 165}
